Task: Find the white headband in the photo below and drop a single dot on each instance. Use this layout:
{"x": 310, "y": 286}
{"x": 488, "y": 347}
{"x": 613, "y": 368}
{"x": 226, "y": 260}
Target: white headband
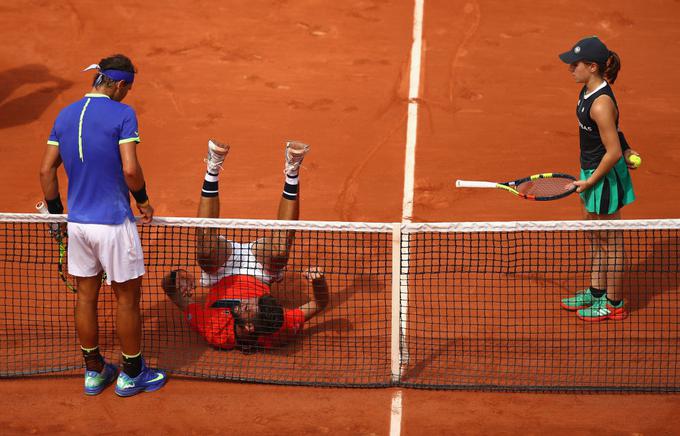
{"x": 92, "y": 67}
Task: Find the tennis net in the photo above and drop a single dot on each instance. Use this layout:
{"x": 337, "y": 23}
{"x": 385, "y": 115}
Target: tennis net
{"x": 440, "y": 305}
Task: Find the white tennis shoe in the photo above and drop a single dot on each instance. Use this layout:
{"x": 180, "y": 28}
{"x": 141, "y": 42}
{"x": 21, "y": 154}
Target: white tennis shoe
{"x": 295, "y": 153}
{"x": 216, "y": 154}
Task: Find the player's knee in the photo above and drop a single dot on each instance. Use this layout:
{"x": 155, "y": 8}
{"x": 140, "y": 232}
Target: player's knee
{"x": 128, "y": 303}
{"x": 207, "y": 262}
{"x": 278, "y": 261}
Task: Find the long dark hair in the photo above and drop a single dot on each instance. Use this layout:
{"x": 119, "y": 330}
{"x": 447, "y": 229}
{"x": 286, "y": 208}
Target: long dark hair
{"x": 610, "y": 69}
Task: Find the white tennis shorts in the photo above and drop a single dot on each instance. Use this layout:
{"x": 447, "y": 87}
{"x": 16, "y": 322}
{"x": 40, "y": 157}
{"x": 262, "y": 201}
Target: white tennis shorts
{"x": 115, "y": 249}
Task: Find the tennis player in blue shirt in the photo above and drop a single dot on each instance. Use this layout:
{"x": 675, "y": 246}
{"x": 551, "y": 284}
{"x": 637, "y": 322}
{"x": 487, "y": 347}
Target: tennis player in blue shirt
{"x": 96, "y": 139}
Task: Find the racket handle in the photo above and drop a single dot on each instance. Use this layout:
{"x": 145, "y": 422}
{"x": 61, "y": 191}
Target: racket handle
{"x": 41, "y": 207}
{"x": 474, "y": 184}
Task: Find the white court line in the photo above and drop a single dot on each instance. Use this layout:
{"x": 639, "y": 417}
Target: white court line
{"x": 412, "y": 121}
{"x": 409, "y": 172}
{"x": 395, "y": 414}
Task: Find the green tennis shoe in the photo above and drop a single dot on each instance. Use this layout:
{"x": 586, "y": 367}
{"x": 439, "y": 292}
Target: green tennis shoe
{"x": 581, "y": 300}
{"x": 602, "y": 310}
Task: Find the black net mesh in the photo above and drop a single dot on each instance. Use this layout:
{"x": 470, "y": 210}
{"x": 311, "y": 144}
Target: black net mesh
{"x": 478, "y": 306}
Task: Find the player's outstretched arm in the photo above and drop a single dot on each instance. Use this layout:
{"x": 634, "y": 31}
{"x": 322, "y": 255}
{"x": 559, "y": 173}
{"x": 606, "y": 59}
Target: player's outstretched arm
{"x": 320, "y": 296}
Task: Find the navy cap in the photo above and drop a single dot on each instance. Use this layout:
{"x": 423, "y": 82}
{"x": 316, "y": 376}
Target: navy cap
{"x": 587, "y": 49}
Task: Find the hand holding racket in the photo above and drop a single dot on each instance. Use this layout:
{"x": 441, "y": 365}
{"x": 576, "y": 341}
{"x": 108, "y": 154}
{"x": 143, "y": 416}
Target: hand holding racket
{"x": 539, "y": 187}
{"x": 58, "y": 232}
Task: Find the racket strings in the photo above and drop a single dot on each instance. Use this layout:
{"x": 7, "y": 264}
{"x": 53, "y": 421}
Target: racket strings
{"x": 547, "y": 187}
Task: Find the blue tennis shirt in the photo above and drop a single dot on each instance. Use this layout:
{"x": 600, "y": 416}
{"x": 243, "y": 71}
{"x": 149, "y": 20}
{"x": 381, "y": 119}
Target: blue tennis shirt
{"x": 89, "y": 133}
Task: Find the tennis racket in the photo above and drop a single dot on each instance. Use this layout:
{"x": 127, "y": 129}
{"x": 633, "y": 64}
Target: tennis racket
{"x": 539, "y": 187}
{"x": 58, "y": 233}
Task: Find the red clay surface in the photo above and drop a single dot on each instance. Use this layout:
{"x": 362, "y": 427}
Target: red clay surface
{"x": 496, "y": 104}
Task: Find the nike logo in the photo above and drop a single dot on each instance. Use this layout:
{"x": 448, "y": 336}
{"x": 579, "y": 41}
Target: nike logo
{"x": 158, "y": 377}
{"x": 136, "y": 132}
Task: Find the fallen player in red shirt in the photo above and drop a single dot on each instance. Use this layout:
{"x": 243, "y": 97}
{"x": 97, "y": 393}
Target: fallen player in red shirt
{"x": 239, "y": 310}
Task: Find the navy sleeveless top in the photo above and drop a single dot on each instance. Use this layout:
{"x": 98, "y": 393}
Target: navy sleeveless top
{"x": 592, "y": 148}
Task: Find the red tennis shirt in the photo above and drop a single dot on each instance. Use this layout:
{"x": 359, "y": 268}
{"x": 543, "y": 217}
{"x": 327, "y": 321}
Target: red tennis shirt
{"x": 216, "y": 325}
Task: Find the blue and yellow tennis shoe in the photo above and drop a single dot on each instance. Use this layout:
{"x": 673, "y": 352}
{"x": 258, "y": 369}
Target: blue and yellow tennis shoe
{"x": 148, "y": 380}
{"x": 96, "y": 382}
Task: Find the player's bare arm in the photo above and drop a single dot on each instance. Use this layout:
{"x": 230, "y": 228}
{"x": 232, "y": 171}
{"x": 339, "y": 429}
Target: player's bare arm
{"x": 48, "y": 172}
{"x": 320, "y": 296}
{"x": 134, "y": 178}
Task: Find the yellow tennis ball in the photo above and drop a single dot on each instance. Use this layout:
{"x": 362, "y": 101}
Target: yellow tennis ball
{"x": 635, "y": 160}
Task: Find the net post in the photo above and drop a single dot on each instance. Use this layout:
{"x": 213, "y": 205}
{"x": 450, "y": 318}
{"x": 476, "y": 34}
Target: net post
{"x": 400, "y": 251}
{"x": 396, "y": 303}
{"x": 403, "y": 295}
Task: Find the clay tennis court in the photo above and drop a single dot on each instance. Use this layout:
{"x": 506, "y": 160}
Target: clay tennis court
{"x": 494, "y": 102}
